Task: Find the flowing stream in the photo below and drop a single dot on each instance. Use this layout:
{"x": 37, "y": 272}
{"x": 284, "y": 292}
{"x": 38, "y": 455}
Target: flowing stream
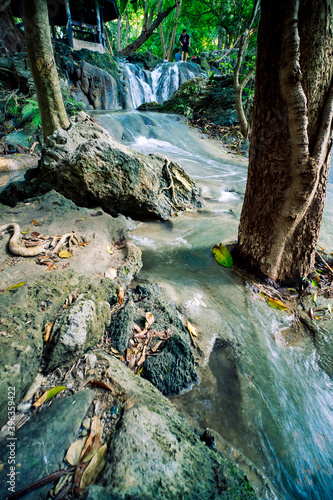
{"x": 261, "y": 387}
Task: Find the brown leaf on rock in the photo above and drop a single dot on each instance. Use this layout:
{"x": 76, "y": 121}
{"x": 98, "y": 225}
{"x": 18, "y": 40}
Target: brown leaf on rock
{"x": 156, "y": 346}
{"x": 77, "y": 477}
{"x": 34, "y": 222}
{"x": 97, "y": 464}
{"x": 129, "y": 354}
{"x": 93, "y": 441}
{"x": 120, "y": 243}
{"x": 48, "y": 332}
{"x": 102, "y": 385}
{"x": 74, "y": 451}
{"x": 121, "y": 296}
{"x": 149, "y": 320}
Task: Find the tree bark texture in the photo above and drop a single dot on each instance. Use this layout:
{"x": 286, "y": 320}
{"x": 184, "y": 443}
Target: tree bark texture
{"x": 146, "y": 33}
{"x": 43, "y": 67}
{"x": 291, "y": 140}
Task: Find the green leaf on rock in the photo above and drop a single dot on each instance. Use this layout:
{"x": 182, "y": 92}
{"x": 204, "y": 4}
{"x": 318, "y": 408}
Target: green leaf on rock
{"x": 14, "y": 287}
{"x": 222, "y": 255}
{"x": 277, "y": 304}
{"x": 48, "y": 395}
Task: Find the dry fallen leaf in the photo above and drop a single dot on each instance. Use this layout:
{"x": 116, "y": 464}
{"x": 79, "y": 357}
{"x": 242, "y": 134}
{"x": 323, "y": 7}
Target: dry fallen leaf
{"x": 120, "y": 243}
{"x": 48, "y": 332}
{"x": 101, "y": 384}
{"x": 121, "y": 296}
{"x": 93, "y": 441}
{"x": 191, "y": 329}
{"x": 149, "y": 320}
{"x": 109, "y": 250}
{"x": 74, "y": 451}
{"x": 64, "y": 254}
{"x": 96, "y": 465}
{"x": 34, "y": 222}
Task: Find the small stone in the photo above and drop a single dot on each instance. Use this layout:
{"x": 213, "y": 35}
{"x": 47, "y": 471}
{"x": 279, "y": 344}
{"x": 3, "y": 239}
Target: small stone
{"x": 24, "y": 406}
{"x": 111, "y": 273}
{"x": 86, "y": 423}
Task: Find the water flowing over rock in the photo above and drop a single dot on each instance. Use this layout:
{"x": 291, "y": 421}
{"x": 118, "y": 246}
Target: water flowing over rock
{"x": 85, "y": 165}
{"x": 159, "y": 84}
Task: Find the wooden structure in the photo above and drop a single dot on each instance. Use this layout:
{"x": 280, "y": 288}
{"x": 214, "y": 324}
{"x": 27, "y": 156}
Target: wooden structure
{"x": 83, "y": 20}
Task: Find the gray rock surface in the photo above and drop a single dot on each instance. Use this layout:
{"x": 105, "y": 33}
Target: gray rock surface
{"x": 154, "y": 454}
{"x": 42, "y": 443}
{"x": 25, "y": 311}
{"x": 79, "y": 329}
{"x": 173, "y": 370}
{"x": 87, "y": 166}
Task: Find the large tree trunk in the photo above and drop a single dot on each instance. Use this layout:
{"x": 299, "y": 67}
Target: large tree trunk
{"x": 146, "y": 33}
{"x": 43, "y": 67}
{"x": 12, "y": 39}
{"x": 291, "y": 140}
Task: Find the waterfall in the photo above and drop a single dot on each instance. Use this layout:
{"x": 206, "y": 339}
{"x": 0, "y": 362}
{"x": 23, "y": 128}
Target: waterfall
{"x": 139, "y": 85}
{"x": 160, "y": 83}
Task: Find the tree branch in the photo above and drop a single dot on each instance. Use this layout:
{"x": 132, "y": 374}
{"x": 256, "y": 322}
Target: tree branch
{"x": 132, "y": 47}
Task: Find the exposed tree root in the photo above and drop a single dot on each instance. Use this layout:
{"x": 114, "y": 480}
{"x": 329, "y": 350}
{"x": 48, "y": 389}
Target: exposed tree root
{"x": 176, "y": 206}
{"x": 15, "y": 244}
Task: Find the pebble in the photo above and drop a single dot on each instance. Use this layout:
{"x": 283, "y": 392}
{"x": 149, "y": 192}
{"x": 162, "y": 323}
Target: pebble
{"x": 86, "y": 423}
{"x": 24, "y": 406}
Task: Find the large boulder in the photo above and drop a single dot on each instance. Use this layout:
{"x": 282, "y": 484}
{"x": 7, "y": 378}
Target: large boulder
{"x": 85, "y": 165}
{"x": 25, "y": 310}
{"x": 154, "y": 454}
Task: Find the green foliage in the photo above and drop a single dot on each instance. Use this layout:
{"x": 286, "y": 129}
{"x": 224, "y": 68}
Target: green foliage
{"x": 12, "y": 106}
{"x": 72, "y": 106}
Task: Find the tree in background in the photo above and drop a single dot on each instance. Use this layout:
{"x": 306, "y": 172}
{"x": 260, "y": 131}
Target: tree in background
{"x": 43, "y": 67}
{"x": 168, "y": 38}
{"x": 153, "y": 15}
{"x": 291, "y": 141}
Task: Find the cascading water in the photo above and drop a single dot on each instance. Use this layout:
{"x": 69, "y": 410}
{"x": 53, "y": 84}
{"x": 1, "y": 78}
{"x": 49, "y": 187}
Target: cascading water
{"x": 261, "y": 387}
{"x": 159, "y": 84}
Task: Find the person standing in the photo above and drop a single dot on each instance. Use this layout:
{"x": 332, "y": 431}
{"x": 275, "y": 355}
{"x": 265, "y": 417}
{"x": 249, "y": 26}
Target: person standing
{"x": 185, "y": 42}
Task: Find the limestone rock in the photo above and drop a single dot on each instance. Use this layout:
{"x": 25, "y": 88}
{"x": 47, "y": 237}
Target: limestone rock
{"x": 154, "y": 454}
{"x": 88, "y": 167}
{"x": 173, "y": 369}
{"x": 78, "y": 330}
{"x": 42, "y": 443}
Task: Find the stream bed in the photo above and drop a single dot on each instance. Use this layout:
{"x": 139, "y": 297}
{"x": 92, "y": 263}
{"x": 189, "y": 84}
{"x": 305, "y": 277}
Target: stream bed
{"x": 261, "y": 387}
